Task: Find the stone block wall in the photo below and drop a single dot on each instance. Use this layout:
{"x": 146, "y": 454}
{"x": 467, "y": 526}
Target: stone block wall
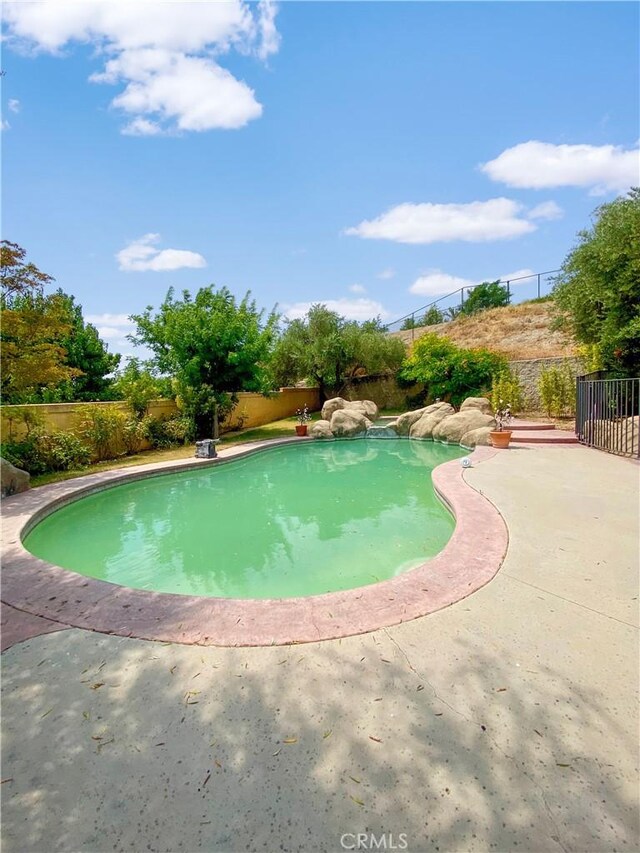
{"x": 528, "y": 372}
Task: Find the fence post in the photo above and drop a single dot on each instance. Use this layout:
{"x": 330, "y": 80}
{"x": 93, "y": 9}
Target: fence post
{"x": 538, "y": 285}
{"x": 508, "y": 293}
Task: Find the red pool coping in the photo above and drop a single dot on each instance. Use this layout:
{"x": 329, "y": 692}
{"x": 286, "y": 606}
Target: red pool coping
{"x": 470, "y": 559}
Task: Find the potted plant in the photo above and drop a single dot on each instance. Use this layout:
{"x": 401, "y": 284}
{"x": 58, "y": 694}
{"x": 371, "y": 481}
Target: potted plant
{"x": 501, "y": 436}
{"x": 303, "y": 417}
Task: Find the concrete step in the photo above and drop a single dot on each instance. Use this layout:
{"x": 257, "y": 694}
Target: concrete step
{"x": 517, "y": 424}
{"x": 533, "y": 436}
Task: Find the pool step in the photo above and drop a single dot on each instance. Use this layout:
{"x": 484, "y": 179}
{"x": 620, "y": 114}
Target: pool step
{"x": 530, "y": 425}
{"x": 533, "y": 436}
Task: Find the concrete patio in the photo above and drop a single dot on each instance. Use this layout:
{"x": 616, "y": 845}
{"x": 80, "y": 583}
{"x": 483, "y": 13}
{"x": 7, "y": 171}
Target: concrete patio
{"x": 507, "y": 721}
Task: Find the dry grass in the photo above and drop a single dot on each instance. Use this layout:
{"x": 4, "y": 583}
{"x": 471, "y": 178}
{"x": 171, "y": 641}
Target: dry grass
{"x": 517, "y": 332}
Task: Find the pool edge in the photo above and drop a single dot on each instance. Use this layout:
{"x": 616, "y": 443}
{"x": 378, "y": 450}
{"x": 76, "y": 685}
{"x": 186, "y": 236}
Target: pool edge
{"x": 470, "y": 559}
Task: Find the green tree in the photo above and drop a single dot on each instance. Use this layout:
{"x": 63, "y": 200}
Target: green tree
{"x": 327, "y": 350}
{"x": 410, "y": 323}
{"x": 449, "y": 371}
{"x": 489, "y": 294}
{"x": 88, "y": 354}
{"x": 433, "y": 316}
{"x": 597, "y": 293}
{"x": 33, "y": 358}
{"x": 139, "y": 385}
{"x": 212, "y": 345}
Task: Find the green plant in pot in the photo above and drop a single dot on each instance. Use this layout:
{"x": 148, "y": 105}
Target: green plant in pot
{"x": 303, "y": 417}
{"x": 501, "y": 435}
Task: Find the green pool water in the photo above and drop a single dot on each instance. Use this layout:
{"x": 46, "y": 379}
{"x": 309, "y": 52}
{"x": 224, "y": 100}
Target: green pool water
{"x": 292, "y": 521}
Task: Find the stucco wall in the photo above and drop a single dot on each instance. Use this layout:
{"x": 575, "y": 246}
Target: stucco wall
{"x": 529, "y": 370}
{"x": 252, "y": 409}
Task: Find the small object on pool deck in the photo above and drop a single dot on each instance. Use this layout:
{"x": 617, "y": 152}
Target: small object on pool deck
{"x": 206, "y": 449}
{"x": 465, "y": 462}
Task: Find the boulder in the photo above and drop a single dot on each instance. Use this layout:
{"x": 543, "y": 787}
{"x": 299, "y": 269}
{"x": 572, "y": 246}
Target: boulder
{"x": 332, "y": 406}
{"x": 424, "y": 427}
{"x": 12, "y": 479}
{"x": 408, "y": 419}
{"x": 321, "y": 429}
{"x": 452, "y": 429}
{"x": 367, "y": 407}
{"x": 347, "y": 423}
{"x": 476, "y": 437}
{"x": 480, "y": 403}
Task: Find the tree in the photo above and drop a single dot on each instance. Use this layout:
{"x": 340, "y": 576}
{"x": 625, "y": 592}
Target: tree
{"x": 489, "y": 294}
{"x": 139, "y": 385}
{"x": 449, "y": 371}
{"x": 86, "y": 352}
{"x": 433, "y": 317}
{"x": 597, "y": 293}
{"x": 213, "y": 347}
{"x": 17, "y": 277}
{"x": 409, "y": 323}
{"x": 33, "y": 326}
{"x": 328, "y": 350}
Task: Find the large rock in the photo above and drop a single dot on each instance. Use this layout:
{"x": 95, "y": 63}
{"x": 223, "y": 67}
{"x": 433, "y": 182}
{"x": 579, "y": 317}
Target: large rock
{"x": 12, "y": 479}
{"x": 321, "y": 429}
{"x": 452, "y": 429}
{"x": 367, "y": 407}
{"x": 480, "y": 403}
{"x": 332, "y": 406}
{"x": 347, "y": 423}
{"x": 404, "y": 422}
{"x": 476, "y": 437}
{"x": 425, "y": 427}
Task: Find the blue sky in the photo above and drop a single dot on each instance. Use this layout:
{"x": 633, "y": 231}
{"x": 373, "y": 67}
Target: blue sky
{"x": 368, "y": 155}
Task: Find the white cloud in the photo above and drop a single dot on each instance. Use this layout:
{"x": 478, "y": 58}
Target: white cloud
{"x": 14, "y": 105}
{"x": 437, "y": 283}
{"x": 352, "y": 309}
{"x": 4, "y": 125}
{"x": 517, "y": 274}
{"x": 357, "y": 288}
{"x": 540, "y": 165}
{"x": 546, "y": 210}
{"x": 142, "y": 256}
{"x": 113, "y": 329}
{"x": 475, "y": 222}
{"x": 166, "y": 54}
{"x": 387, "y": 273}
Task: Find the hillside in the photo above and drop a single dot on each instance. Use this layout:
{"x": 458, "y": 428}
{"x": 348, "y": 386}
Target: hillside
{"x": 517, "y": 331}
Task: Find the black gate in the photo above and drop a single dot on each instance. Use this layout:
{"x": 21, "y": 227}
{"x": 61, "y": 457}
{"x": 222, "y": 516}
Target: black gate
{"x": 608, "y": 413}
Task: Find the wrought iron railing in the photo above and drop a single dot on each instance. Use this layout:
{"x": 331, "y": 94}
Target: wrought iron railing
{"x": 608, "y": 413}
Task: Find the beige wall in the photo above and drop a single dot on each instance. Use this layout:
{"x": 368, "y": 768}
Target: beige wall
{"x": 253, "y": 409}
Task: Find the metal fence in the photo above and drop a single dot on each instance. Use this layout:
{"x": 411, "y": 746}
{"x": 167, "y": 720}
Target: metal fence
{"x": 608, "y": 413}
{"x": 518, "y": 289}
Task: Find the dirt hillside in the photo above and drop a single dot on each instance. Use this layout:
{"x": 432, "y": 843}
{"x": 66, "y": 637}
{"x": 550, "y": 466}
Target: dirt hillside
{"x": 517, "y": 331}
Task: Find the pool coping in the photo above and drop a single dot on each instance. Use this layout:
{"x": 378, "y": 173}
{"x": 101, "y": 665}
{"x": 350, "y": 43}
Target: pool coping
{"x": 470, "y": 559}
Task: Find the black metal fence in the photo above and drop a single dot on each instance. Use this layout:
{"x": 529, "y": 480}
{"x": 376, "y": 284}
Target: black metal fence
{"x": 608, "y": 413}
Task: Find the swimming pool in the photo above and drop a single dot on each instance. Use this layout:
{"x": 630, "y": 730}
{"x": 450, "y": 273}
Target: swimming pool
{"x": 293, "y": 521}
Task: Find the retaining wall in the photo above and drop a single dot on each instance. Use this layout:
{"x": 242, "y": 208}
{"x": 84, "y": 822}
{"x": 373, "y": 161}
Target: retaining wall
{"x": 528, "y": 372}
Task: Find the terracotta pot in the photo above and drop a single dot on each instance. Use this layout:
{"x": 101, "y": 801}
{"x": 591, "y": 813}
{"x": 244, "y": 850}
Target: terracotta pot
{"x": 500, "y": 438}
{"x": 301, "y": 429}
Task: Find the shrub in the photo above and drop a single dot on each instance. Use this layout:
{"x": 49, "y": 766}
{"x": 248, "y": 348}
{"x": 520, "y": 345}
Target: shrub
{"x": 102, "y": 427}
{"x": 133, "y": 434}
{"x": 506, "y": 390}
{"x": 451, "y": 372}
{"x": 557, "y": 389}
{"x": 167, "y": 432}
{"x": 40, "y": 452}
